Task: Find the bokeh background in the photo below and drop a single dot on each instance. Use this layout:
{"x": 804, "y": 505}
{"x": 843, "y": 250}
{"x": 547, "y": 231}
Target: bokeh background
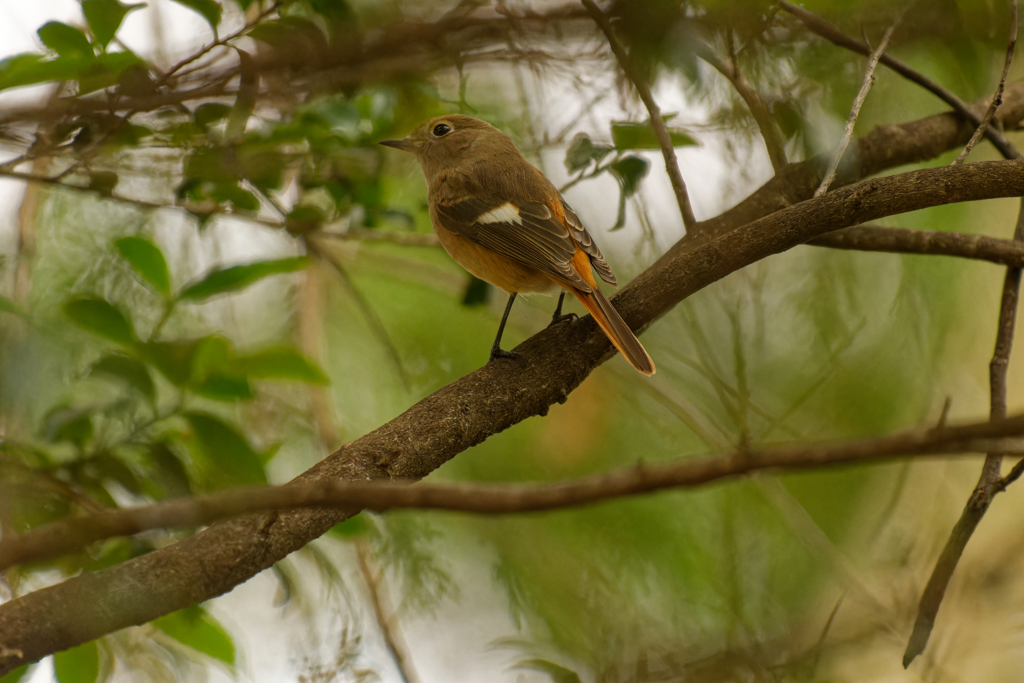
{"x": 802, "y": 577}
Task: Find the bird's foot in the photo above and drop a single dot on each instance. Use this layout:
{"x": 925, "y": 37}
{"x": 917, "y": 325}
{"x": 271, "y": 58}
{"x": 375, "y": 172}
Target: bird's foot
{"x": 559, "y": 319}
{"x": 498, "y": 352}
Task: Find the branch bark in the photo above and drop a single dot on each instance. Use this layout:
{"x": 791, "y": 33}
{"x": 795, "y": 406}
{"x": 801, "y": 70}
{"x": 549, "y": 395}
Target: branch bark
{"x": 462, "y": 414}
{"x": 927, "y": 242}
{"x": 69, "y": 535}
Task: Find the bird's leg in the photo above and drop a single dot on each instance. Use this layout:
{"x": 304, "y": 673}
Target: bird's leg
{"x": 558, "y": 317}
{"x": 496, "y": 350}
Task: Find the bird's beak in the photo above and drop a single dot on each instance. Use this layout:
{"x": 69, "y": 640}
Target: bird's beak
{"x": 405, "y": 144}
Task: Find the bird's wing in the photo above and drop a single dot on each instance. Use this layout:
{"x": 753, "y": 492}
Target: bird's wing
{"x": 587, "y": 244}
{"x": 526, "y": 232}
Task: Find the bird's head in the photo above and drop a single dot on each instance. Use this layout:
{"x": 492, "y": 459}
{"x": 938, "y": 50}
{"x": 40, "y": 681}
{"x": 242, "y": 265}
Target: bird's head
{"x": 446, "y": 142}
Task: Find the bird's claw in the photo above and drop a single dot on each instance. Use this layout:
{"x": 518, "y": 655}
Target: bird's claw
{"x": 559, "y": 319}
{"x": 497, "y": 352}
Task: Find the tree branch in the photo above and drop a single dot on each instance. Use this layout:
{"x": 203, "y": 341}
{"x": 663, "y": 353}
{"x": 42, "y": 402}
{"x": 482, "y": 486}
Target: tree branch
{"x": 929, "y": 242}
{"x": 644, "y": 90}
{"x": 830, "y": 32}
{"x": 69, "y": 535}
{"x": 858, "y": 102}
{"x": 758, "y": 109}
{"x": 990, "y": 482}
{"x": 883, "y": 148}
{"x": 462, "y": 414}
{"x": 997, "y": 98}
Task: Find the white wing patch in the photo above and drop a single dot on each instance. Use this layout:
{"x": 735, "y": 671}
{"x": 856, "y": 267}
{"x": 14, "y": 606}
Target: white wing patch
{"x": 506, "y": 213}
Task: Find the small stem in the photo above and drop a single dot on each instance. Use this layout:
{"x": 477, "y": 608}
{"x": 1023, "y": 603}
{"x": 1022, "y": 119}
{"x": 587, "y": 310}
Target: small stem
{"x": 997, "y": 98}
{"x": 858, "y": 102}
{"x": 667, "y": 150}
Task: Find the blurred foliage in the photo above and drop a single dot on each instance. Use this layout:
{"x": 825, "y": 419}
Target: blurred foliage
{"x": 191, "y": 311}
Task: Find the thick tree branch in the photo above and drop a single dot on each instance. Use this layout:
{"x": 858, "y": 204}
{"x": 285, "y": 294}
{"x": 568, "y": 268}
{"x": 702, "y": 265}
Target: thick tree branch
{"x": 644, "y": 90}
{"x": 69, "y": 535}
{"x": 458, "y": 416}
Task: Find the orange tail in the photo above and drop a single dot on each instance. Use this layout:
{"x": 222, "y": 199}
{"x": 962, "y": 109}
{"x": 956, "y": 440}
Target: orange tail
{"x": 616, "y": 329}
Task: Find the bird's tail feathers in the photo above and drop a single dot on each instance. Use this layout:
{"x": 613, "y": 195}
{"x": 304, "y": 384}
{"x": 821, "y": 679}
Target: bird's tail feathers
{"x": 616, "y": 328}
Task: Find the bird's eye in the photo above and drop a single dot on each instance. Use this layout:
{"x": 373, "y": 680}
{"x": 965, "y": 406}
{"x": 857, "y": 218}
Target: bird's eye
{"x": 442, "y": 129}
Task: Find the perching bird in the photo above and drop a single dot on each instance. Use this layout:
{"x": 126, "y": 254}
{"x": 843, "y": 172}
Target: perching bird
{"x": 503, "y": 221}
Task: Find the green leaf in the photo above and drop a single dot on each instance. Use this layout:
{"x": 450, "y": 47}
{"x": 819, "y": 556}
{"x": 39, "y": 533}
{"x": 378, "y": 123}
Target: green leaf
{"x": 224, "y": 193}
{"x": 29, "y": 69}
{"x": 207, "y": 114}
{"x": 101, "y": 318}
{"x": 168, "y": 472}
{"x": 238, "y": 277}
{"x": 78, "y": 665}
{"x": 172, "y": 359}
{"x": 109, "y": 467}
{"x": 629, "y": 171}
{"x": 281, "y": 363}
{"x": 289, "y": 32}
{"x": 68, "y": 424}
{"x": 205, "y": 366}
{"x": 210, "y": 9}
{"x": 67, "y": 41}
{"x": 194, "y": 627}
{"x": 128, "y": 370}
{"x": 107, "y": 70}
{"x": 105, "y": 17}
{"x": 103, "y": 182}
{"x": 629, "y": 135}
{"x": 147, "y": 259}
{"x": 214, "y": 374}
{"x": 221, "y": 446}
{"x": 304, "y": 219}
{"x": 582, "y": 151}
{"x": 558, "y": 673}
{"x": 14, "y": 675}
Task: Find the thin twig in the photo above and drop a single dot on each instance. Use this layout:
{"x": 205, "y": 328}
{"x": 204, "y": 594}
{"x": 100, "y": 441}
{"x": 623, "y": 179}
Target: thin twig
{"x": 216, "y": 43}
{"x": 376, "y": 325}
{"x": 644, "y": 90}
{"x": 997, "y": 98}
{"x": 68, "y": 535}
{"x": 758, "y": 109}
{"x": 858, "y": 102}
{"x": 990, "y": 482}
{"x": 389, "y": 629}
{"x": 831, "y": 33}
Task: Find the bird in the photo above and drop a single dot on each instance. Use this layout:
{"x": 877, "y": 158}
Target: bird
{"x": 502, "y": 220}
